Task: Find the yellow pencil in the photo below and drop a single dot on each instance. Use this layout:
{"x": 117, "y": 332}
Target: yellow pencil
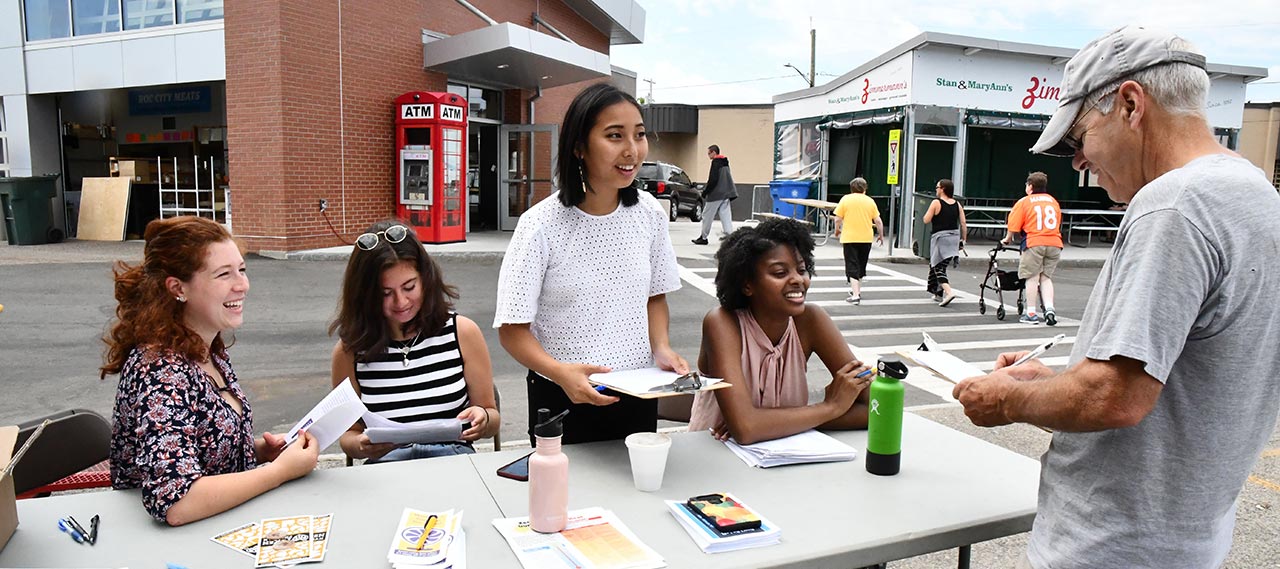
{"x": 426, "y": 529}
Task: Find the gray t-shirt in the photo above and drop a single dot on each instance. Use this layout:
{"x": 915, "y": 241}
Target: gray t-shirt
{"x": 1190, "y": 290}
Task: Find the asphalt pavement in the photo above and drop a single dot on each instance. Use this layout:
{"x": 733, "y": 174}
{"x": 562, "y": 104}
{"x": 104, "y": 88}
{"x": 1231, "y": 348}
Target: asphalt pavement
{"x": 58, "y": 299}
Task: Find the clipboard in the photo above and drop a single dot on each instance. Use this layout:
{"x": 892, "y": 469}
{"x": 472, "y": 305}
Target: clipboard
{"x": 641, "y": 383}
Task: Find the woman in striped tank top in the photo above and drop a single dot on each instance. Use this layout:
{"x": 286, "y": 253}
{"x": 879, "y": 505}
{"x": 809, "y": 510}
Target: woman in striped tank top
{"x": 411, "y": 357}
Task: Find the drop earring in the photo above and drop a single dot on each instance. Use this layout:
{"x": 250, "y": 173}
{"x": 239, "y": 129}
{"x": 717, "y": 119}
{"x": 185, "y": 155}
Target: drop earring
{"x": 581, "y": 174}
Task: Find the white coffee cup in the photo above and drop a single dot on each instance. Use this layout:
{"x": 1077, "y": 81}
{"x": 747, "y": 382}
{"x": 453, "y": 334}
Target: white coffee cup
{"x": 648, "y": 459}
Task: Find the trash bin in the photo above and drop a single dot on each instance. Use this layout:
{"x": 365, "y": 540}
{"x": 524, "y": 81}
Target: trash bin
{"x": 25, "y": 203}
{"x": 922, "y": 231}
{"x": 779, "y": 189}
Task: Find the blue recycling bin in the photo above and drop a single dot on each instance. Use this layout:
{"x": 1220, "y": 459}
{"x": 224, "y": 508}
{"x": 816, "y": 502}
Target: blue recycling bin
{"x": 779, "y": 189}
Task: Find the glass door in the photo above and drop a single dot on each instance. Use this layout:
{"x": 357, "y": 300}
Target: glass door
{"x": 526, "y": 158}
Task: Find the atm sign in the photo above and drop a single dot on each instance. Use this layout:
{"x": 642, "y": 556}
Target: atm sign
{"x": 450, "y": 113}
{"x": 417, "y": 111}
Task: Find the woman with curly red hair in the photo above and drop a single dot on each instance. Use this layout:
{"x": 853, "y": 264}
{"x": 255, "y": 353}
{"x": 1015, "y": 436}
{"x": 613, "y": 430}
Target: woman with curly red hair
{"x": 182, "y": 427}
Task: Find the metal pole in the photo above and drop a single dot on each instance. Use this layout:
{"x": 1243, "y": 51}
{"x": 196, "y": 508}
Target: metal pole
{"x": 813, "y": 50}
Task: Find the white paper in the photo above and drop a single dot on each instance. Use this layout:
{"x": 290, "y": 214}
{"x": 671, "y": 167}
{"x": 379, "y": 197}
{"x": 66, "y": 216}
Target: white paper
{"x": 809, "y": 446}
{"x": 641, "y": 380}
{"x": 331, "y": 417}
{"x": 601, "y": 532}
{"x": 433, "y": 431}
{"x": 946, "y": 365}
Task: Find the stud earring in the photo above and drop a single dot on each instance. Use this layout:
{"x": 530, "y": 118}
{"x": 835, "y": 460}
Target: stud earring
{"x": 181, "y": 299}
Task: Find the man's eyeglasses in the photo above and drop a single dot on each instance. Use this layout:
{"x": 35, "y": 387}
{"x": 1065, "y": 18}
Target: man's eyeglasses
{"x": 393, "y": 234}
{"x": 1069, "y": 139}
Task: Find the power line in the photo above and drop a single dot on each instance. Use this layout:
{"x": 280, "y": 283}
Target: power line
{"x": 740, "y": 81}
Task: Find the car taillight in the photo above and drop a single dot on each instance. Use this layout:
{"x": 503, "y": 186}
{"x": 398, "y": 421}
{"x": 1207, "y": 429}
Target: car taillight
{"x": 662, "y": 187}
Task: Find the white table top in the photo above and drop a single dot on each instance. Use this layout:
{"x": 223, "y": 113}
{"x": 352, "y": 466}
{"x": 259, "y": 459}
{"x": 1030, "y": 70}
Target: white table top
{"x": 366, "y": 503}
{"x": 1115, "y": 212}
{"x": 953, "y": 490}
{"x": 987, "y": 208}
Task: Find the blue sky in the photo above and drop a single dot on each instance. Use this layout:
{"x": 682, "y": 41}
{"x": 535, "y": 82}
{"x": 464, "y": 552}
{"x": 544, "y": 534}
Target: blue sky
{"x": 735, "y": 51}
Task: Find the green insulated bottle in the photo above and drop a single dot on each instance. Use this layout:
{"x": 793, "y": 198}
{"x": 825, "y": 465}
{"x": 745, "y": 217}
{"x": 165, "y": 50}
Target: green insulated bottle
{"x": 884, "y": 418}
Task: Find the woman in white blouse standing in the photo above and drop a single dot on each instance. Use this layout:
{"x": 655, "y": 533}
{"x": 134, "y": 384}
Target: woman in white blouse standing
{"x": 584, "y": 281}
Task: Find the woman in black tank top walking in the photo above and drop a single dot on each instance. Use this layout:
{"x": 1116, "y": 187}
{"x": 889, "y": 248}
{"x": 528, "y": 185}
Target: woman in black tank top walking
{"x": 947, "y": 218}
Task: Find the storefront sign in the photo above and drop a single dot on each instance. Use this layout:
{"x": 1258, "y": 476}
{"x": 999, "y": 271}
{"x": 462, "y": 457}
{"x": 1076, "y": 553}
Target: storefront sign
{"x": 895, "y": 149}
{"x": 989, "y": 81}
{"x": 427, "y": 111}
{"x": 888, "y": 85}
{"x": 171, "y": 100}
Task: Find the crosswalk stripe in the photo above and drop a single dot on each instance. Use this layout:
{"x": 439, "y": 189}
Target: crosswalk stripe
{"x": 697, "y": 281}
{"x": 879, "y": 302}
{"x": 913, "y": 316}
{"x": 845, "y": 289}
{"x": 843, "y": 279}
{"x": 941, "y": 329}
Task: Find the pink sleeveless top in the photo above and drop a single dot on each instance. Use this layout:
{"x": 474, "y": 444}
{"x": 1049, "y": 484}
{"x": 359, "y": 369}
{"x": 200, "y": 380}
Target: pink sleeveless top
{"x": 775, "y": 375}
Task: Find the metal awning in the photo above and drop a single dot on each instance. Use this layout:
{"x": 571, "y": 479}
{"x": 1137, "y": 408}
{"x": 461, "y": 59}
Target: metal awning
{"x": 513, "y": 56}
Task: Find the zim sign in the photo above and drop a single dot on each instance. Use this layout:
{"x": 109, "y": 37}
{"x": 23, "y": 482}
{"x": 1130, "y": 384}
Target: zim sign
{"x": 426, "y": 111}
{"x": 450, "y": 113}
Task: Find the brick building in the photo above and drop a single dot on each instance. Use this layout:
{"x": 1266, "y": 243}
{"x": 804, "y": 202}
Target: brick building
{"x": 253, "y": 112}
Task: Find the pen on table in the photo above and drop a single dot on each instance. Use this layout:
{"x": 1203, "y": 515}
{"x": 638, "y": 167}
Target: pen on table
{"x": 1041, "y": 349}
{"x": 70, "y": 530}
{"x": 426, "y": 529}
{"x": 93, "y": 530}
{"x": 76, "y": 524}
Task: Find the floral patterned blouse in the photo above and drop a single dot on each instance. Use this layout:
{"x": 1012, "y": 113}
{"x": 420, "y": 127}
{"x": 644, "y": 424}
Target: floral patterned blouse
{"x": 170, "y": 427}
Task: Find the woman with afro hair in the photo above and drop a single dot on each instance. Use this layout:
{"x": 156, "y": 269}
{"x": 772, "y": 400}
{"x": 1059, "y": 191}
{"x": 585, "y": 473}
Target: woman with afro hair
{"x": 760, "y": 338}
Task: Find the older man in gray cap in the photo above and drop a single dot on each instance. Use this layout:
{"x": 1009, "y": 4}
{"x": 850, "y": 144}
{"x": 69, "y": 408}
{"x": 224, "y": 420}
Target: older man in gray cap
{"x": 1173, "y": 386}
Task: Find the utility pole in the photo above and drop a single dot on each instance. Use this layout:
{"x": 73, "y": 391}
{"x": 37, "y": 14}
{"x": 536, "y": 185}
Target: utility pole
{"x": 648, "y": 100}
{"x": 813, "y": 49}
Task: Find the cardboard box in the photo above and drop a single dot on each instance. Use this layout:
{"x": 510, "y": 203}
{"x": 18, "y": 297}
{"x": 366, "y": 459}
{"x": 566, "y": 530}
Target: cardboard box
{"x": 139, "y": 170}
{"x": 8, "y": 502}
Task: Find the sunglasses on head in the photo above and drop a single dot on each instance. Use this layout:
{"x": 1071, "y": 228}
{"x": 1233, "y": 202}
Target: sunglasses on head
{"x": 393, "y": 234}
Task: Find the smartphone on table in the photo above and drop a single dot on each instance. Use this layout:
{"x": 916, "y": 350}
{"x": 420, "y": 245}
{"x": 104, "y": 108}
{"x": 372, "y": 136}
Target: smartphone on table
{"x": 517, "y": 469}
{"x": 723, "y": 512}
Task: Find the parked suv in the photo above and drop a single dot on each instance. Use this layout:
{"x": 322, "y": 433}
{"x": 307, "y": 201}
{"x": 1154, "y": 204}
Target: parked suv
{"x": 669, "y": 182}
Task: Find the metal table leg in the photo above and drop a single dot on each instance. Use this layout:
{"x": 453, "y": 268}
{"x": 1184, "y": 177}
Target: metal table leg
{"x": 964, "y": 557}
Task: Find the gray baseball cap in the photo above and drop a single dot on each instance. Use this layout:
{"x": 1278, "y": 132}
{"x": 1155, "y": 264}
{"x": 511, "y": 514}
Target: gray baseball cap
{"x": 1103, "y": 61}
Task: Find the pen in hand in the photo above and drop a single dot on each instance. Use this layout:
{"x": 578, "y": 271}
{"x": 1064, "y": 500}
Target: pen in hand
{"x": 1040, "y": 350}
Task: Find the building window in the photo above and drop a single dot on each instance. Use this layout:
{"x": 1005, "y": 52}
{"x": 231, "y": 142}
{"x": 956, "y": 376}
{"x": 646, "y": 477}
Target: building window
{"x": 95, "y": 16}
{"x": 47, "y": 19}
{"x": 482, "y": 103}
{"x": 199, "y": 10}
{"x": 140, "y": 14}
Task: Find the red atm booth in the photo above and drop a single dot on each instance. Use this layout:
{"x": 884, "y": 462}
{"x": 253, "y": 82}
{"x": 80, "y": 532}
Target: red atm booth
{"x": 431, "y": 161}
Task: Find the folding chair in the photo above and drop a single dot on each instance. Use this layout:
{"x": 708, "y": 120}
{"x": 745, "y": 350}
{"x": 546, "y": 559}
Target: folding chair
{"x": 71, "y": 454}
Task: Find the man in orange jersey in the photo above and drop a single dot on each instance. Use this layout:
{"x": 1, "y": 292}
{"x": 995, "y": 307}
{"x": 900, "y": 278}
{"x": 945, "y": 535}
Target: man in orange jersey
{"x": 1039, "y": 217}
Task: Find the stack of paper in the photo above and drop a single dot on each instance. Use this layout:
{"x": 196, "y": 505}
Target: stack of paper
{"x": 809, "y": 446}
{"x": 593, "y": 538}
{"x": 445, "y": 546}
{"x": 712, "y": 541}
{"x": 280, "y": 542}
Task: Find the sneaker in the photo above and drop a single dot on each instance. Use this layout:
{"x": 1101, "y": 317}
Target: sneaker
{"x": 853, "y": 299}
{"x": 937, "y": 299}
{"x": 947, "y": 300}
{"x": 1029, "y": 319}
{"x": 1050, "y": 318}
{"x": 700, "y": 241}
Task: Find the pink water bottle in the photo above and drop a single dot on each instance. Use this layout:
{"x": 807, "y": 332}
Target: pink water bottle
{"x": 548, "y": 476}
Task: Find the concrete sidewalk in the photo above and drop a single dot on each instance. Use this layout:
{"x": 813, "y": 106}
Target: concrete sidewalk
{"x": 492, "y": 245}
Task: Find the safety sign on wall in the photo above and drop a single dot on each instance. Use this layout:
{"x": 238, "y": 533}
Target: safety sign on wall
{"x": 895, "y": 148}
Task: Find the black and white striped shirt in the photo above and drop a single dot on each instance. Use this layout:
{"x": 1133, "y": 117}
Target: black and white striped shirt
{"x": 428, "y": 385}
